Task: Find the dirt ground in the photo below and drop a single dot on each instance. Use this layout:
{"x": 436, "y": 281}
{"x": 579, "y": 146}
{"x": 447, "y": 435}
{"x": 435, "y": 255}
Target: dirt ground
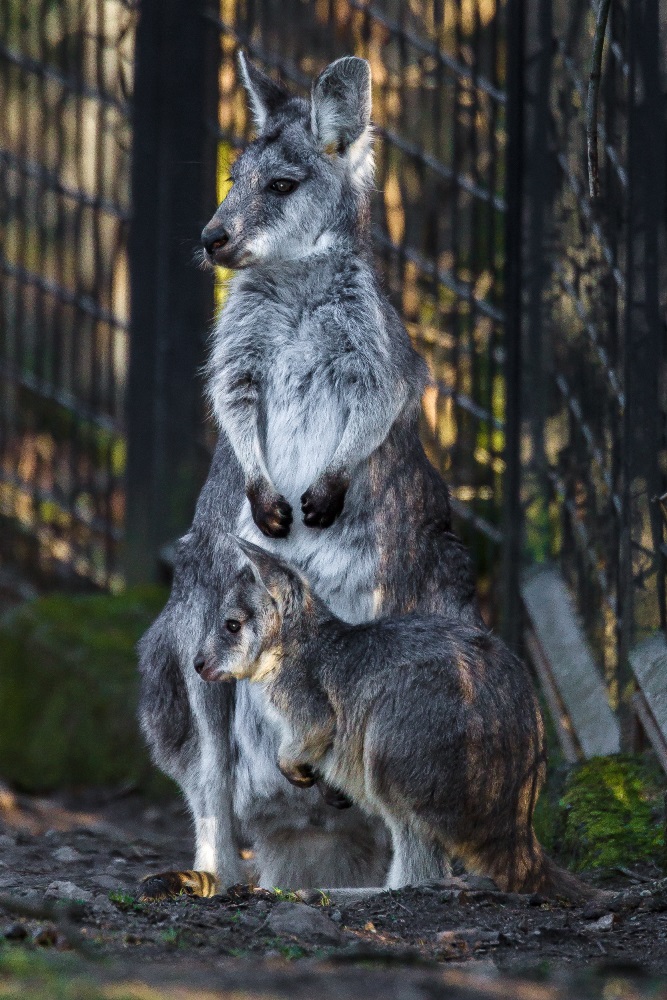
{"x": 68, "y": 884}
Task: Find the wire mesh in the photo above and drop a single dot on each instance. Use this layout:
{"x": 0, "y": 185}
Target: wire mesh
{"x": 65, "y": 138}
{"x": 594, "y": 447}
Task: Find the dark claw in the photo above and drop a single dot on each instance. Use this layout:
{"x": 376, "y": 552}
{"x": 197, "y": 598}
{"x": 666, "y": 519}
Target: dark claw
{"x": 323, "y": 502}
{"x": 271, "y": 513}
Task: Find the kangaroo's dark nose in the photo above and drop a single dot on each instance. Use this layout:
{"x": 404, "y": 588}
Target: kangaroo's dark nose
{"x": 200, "y": 662}
{"x": 214, "y": 239}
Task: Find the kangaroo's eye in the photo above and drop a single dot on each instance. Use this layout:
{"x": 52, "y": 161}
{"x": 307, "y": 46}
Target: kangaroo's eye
{"x": 283, "y": 186}
{"x": 232, "y": 625}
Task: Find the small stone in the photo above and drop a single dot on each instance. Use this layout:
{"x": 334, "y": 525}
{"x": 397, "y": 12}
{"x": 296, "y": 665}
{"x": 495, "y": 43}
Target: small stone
{"x": 303, "y": 922}
{"x": 6, "y": 841}
{"x": 102, "y": 904}
{"x": 45, "y": 936}
{"x": 463, "y": 940}
{"x": 67, "y": 854}
{"x": 605, "y": 923}
{"x": 114, "y": 883}
{"x": 478, "y": 883}
{"x": 468, "y": 934}
{"x": 67, "y": 890}
{"x": 15, "y": 932}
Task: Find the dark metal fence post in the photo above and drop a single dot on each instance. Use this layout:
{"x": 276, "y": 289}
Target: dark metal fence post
{"x": 512, "y": 514}
{"x": 643, "y": 431}
{"x": 173, "y": 191}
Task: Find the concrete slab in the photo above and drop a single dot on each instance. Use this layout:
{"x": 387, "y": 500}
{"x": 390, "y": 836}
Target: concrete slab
{"x": 563, "y": 645}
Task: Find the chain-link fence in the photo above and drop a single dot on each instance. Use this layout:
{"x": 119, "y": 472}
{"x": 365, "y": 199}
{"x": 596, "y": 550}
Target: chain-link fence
{"x": 65, "y": 143}
{"x": 595, "y": 279}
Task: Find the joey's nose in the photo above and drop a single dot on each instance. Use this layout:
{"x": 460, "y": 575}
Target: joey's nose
{"x": 200, "y": 662}
{"x": 214, "y": 239}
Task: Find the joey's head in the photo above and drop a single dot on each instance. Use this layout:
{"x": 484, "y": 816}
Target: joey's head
{"x": 303, "y": 184}
{"x": 261, "y": 611}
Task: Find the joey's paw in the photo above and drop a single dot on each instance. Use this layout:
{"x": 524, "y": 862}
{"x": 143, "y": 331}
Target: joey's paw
{"x": 271, "y": 512}
{"x": 168, "y": 885}
{"x": 323, "y": 502}
{"x": 333, "y": 797}
{"x": 301, "y": 775}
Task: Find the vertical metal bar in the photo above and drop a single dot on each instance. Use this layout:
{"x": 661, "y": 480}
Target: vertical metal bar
{"x": 644, "y": 333}
{"x": 512, "y": 513}
{"x": 173, "y": 187}
{"x": 539, "y": 193}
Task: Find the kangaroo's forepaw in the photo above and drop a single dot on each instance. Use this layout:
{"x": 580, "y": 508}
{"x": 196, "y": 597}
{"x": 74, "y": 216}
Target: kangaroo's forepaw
{"x": 301, "y": 775}
{"x": 271, "y": 512}
{"x": 168, "y": 885}
{"x": 323, "y": 502}
{"x": 333, "y": 797}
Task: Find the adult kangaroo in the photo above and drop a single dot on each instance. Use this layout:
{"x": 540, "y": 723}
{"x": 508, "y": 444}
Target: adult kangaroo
{"x": 316, "y": 390}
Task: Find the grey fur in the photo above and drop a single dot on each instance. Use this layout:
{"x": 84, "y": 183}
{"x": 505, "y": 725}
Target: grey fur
{"x": 316, "y": 390}
{"x": 427, "y": 722}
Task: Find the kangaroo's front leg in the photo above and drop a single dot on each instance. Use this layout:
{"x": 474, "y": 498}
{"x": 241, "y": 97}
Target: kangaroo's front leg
{"x": 271, "y": 512}
{"x": 298, "y": 756}
{"x": 375, "y": 403}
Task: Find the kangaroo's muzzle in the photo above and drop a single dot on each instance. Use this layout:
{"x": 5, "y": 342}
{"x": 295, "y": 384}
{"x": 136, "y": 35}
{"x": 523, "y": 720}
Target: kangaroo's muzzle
{"x": 214, "y": 240}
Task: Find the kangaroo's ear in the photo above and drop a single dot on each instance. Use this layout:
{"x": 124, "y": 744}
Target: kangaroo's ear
{"x": 284, "y": 584}
{"x": 341, "y": 103}
{"x": 264, "y": 94}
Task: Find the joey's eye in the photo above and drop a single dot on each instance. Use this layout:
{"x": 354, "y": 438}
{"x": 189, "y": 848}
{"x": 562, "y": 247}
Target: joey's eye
{"x": 283, "y": 186}
{"x": 232, "y": 625}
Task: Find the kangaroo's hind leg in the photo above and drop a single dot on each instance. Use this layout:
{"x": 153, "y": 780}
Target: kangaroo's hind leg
{"x": 416, "y": 858}
{"x": 186, "y": 724}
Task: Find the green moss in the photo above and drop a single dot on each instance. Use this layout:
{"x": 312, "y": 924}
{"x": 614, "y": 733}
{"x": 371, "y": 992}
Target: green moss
{"x": 68, "y": 690}
{"x": 613, "y": 813}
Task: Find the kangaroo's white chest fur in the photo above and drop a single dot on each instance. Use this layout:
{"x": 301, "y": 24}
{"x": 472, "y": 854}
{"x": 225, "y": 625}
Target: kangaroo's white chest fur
{"x": 294, "y": 341}
{"x": 304, "y": 417}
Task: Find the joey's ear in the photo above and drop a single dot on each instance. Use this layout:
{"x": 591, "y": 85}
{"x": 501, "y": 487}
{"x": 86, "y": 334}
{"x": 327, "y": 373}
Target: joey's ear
{"x": 340, "y": 108}
{"x": 264, "y": 94}
{"x": 283, "y": 583}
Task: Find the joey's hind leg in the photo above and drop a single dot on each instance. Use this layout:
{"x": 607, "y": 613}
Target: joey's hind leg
{"x": 416, "y": 859}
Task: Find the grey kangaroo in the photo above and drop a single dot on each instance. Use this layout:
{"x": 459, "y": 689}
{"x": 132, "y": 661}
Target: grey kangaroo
{"x": 316, "y": 390}
{"x": 427, "y": 722}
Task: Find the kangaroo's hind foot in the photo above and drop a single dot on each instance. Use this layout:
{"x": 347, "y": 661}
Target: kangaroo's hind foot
{"x": 168, "y": 885}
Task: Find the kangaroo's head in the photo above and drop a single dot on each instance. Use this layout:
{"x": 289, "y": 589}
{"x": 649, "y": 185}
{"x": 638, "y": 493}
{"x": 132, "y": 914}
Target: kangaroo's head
{"x": 264, "y": 607}
{"x": 303, "y": 184}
